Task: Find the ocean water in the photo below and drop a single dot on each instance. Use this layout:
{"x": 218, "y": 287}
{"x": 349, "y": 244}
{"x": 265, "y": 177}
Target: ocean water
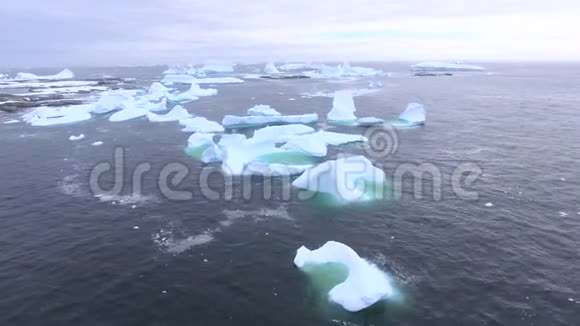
{"x": 70, "y": 258}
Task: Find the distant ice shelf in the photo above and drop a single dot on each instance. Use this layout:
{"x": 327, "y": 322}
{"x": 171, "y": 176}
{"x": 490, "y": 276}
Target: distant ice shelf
{"x": 445, "y": 66}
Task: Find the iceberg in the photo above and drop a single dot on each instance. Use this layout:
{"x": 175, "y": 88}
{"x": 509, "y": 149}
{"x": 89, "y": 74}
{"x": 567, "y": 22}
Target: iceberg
{"x": 187, "y": 79}
{"x": 315, "y": 144}
{"x": 213, "y": 154}
{"x": 445, "y": 66}
{"x": 414, "y": 114}
{"x": 45, "y": 116}
{"x": 113, "y": 100}
{"x": 192, "y": 94}
{"x": 232, "y": 121}
{"x": 271, "y": 69}
{"x": 263, "y": 110}
{"x": 75, "y": 138}
{"x": 97, "y": 143}
{"x": 176, "y": 114}
{"x": 218, "y": 67}
{"x": 274, "y": 169}
{"x": 342, "y": 107}
{"x": 308, "y": 144}
{"x": 343, "y": 70}
{"x": 65, "y": 74}
{"x": 200, "y": 125}
{"x": 49, "y": 84}
{"x": 129, "y": 113}
{"x": 280, "y": 134}
{"x": 133, "y": 109}
{"x": 238, "y": 152}
{"x": 64, "y": 90}
{"x": 370, "y": 121}
{"x": 294, "y": 66}
{"x": 346, "y": 180}
{"x": 157, "y": 91}
{"x": 365, "y": 284}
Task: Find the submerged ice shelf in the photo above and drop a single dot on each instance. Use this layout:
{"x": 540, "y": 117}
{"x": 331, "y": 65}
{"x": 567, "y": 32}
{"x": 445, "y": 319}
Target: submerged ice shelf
{"x": 365, "y": 284}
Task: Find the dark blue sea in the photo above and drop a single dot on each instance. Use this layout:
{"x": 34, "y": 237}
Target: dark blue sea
{"x": 507, "y": 255}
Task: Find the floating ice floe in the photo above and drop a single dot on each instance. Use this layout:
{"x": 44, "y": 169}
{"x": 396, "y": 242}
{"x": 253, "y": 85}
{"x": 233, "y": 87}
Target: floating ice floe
{"x": 11, "y": 121}
{"x": 343, "y": 108}
{"x": 48, "y": 116}
{"x": 445, "y": 66}
{"x": 157, "y": 91}
{"x": 351, "y": 179}
{"x": 133, "y": 109}
{"x": 64, "y": 90}
{"x": 370, "y": 121}
{"x": 187, "y": 79}
{"x": 280, "y": 134}
{"x": 365, "y": 284}
{"x": 414, "y": 114}
{"x": 263, "y": 110}
{"x": 231, "y": 121}
{"x": 65, "y": 74}
{"x": 239, "y": 152}
{"x": 49, "y": 84}
{"x": 200, "y": 125}
{"x": 176, "y": 114}
{"x": 113, "y": 100}
{"x": 271, "y": 69}
{"x": 294, "y": 66}
{"x": 489, "y": 205}
{"x": 218, "y": 67}
{"x": 274, "y": 169}
{"x": 97, "y": 143}
{"x": 192, "y": 94}
{"x": 343, "y": 70}
{"x": 308, "y": 144}
{"x": 75, "y": 138}
{"x": 202, "y": 146}
{"x": 376, "y": 84}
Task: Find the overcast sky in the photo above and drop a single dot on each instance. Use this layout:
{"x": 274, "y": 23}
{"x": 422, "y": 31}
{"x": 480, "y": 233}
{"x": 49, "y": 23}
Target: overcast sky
{"x": 145, "y": 32}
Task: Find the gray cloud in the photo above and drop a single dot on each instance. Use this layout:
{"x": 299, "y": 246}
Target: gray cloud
{"x": 107, "y": 32}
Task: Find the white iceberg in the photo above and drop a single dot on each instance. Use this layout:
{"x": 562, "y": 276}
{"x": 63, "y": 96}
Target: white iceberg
{"x": 11, "y": 121}
{"x": 137, "y": 108}
{"x": 113, "y": 100}
{"x": 200, "y": 125}
{"x": 192, "y": 94}
{"x": 218, "y": 67}
{"x": 274, "y": 169}
{"x": 75, "y": 138}
{"x": 238, "y": 153}
{"x": 315, "y": 144}
{"x": 294, "y": 66}
{"x": 414, "y": 114}
{"x": 157, "y": 91}
{"x": 187, "y": 79}
{"x": 343, "y": 70}
{"x": 213, "y": 154}
{"x": 351, "y": 179}
{"x": 49, "y": 116}
{"x": 176, "y": 114}
{"x": 263, "y": 110}
{"x": 343, "y": 107}
{"x": 271, "y": 69}
{"x": 365, "y": 284}
{"x": 231, "y": 121}
{"x": 64, "y": 74}
{"x": 97, "y": 143}
{"x": 49, "y": 84}
{"x": 370, "y": 121}
{"x": 309, "y": 144}
{"x": 445, "y": 66}
{"x": 280, "y": 134}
